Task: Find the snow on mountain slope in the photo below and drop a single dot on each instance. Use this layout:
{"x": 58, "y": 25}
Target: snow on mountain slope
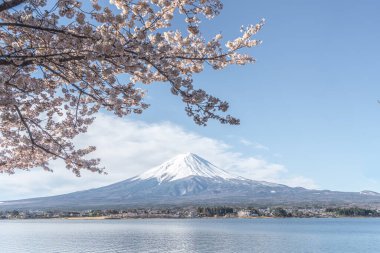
{"x": 370, "y": 193}
{"x": 185, "y": 165}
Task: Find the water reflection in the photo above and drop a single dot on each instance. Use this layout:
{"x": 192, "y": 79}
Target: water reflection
{"x": 197, "y": 235}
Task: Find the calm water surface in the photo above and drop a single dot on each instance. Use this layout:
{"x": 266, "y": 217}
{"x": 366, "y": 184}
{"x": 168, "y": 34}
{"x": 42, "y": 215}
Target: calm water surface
{"x": 192, "y": 235}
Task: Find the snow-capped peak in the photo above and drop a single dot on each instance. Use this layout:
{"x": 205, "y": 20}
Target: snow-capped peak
{"x": 185, "y": 165}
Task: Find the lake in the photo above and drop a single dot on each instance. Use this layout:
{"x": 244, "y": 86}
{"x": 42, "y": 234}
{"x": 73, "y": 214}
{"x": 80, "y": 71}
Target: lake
{"x": 191, "y": 235}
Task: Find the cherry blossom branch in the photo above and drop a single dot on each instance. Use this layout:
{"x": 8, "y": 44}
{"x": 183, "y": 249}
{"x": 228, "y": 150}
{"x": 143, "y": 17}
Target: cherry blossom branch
{"x": 6, "y": 5}
{"x": 61, "y": 64}
{"x": 47, "y": 29}
{"x": 31, "y": 138}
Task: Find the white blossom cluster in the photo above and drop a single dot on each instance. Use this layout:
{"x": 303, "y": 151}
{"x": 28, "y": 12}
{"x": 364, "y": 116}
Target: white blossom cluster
{"x": 60, "y": 63}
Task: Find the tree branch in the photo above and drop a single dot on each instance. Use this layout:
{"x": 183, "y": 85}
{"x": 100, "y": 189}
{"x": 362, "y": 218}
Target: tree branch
{"x": 47, "y": 29}
{"x": 32, "y": 140}
{"x": 6, "y": 5}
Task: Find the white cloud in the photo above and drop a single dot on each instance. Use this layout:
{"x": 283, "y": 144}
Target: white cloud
{"x": 128, "y": 148}
{"x": 255, "y": 145}
{"x": 299, "y": 181}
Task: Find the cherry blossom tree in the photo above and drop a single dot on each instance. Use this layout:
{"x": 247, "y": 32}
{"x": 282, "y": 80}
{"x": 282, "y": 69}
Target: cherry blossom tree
{"x": 61, "y": 62}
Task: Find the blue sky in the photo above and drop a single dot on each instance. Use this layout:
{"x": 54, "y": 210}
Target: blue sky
{"x": 308, "y": 107}
{"x": 311, "y": 98}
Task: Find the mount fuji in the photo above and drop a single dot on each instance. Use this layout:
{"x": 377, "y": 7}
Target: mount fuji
{"x": 188, "y": 179}
{"x": 183, "y": 166}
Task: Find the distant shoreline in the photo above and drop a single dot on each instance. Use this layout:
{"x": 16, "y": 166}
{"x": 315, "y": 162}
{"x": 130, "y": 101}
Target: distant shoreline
{"x": 195, "y": 218}
{"x": 222, "y": 212}
{"x": 88, "y": 218}
{"x": 188, "y": 218}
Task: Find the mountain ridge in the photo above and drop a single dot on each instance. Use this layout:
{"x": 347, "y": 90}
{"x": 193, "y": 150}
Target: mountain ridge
{"x": 188, "y": 179}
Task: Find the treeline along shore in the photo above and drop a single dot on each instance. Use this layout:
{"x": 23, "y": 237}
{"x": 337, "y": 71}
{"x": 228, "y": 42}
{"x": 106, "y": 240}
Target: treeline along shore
{"x": 196, "y": 212}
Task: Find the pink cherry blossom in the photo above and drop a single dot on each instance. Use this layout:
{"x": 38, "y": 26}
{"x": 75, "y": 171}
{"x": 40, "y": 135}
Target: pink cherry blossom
{"x": 60, "y": 64}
